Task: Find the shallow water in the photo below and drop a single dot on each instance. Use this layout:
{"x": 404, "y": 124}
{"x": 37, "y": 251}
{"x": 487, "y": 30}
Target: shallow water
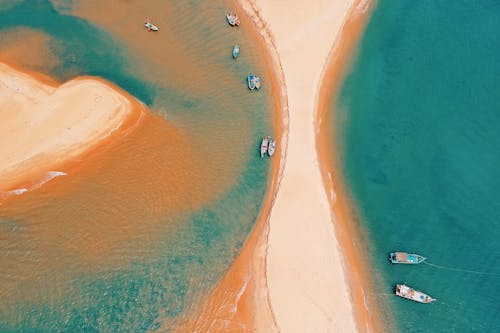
{"x": 142, "y": 227}
{"x": 418, "y": 128}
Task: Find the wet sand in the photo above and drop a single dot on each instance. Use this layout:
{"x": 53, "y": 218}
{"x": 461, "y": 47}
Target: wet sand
{"x": 38, "y": 131}
{"x": 343, "y": 212}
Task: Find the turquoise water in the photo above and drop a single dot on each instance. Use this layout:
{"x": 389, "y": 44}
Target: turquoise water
{"x": 167, "y": 280}
{"x": 420, "y": 136}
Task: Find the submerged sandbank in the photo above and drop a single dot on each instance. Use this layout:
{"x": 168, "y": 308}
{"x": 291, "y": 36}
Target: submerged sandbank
{"x": 44, "y": 125}
{"x": 343, "y": 213}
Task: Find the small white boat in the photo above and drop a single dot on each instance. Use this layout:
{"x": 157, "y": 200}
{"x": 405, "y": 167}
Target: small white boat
{"x": 236, "y": 51}
{"x": 404, "y": 291}
{"x": 263, "y": 146}
{"x": 253, "y": 82}
{"x": 271, "y": 146}
{"x": 150, "y": 26}
{"x": 406, "y": 258}
{"x": 233, "y": 19}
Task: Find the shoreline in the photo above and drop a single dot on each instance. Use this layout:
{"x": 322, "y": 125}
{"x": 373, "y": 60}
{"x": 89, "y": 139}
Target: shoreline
{"x": 316, "y": 312}
{"x": 83, "y": 136}
{"x": 342, "y": 208}
{"x": 240, "y": 302}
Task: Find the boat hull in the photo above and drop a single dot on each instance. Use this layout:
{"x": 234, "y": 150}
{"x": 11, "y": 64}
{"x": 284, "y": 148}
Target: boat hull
{"x": 236, "y": 51}
{"x": 263, "y": 147}
{"x": 405, "y": 258}
{"x": 413, "y": 295}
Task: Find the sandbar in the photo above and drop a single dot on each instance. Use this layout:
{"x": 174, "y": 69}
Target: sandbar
{"x": 44, "y": 125}
{"x": 306, "y": 278}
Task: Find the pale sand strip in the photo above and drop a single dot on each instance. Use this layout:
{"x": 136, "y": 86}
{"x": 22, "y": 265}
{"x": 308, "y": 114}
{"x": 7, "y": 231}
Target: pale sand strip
{"x": 307, "y": 287}
{"x": 43, "y": 126}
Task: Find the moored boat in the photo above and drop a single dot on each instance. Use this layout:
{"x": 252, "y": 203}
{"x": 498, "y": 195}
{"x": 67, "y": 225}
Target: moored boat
{"x": 236, "y": 51}
{"x": 253, "y": 82}
{"x": 404, "y": 291}
{"x": 263, "y": 146}
{"x": 150, "y": 26}
{"x": 233, "y": 19}
{"x": 271, "y": 146}
{"x": 406, "y": 258}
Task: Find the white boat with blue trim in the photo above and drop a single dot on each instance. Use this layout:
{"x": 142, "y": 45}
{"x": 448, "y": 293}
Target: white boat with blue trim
{"x": 402, "y": 290}
{"x": 406, "y": 258}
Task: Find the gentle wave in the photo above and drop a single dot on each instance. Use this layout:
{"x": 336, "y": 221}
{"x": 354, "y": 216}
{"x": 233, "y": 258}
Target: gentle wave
{"x": 46, "y": 178}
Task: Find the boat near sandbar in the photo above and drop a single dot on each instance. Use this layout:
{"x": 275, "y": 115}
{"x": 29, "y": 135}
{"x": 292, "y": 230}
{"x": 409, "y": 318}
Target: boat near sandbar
{"x": 404, "y": 291}
{"x": 263, "y": 146}
{"x": 271, "y": 146}
{"x": 150, "y": 26}
{"x": 233, "y": 19}
{"x": 253, "y": 82}
{"x": 406, "y": 258}
{"x": 236, "y": 51}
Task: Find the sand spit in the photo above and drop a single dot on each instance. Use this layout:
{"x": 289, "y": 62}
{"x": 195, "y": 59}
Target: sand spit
{"x": 44, "y": 125}
{"x": 307, "y": 283}
{"x": 343, "y": 213}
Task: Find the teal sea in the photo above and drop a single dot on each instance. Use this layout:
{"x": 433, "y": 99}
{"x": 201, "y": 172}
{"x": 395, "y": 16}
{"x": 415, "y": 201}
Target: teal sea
{"x": 419, "y": 142}
{"x": 182, "y": 254}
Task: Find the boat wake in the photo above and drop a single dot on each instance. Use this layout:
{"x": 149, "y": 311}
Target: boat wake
{"x": 461, "y": 270}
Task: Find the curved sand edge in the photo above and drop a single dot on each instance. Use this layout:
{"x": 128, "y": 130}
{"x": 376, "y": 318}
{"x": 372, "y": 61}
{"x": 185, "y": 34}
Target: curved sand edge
{"x": 240, "y": 301}
{"x": 342, "y": 210}
{"x": 305, "y": 270}
{"x": 44, "y": 126}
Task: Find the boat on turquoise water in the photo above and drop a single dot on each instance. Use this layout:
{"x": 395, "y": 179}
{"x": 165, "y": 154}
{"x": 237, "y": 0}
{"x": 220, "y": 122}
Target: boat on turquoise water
{"x": 150, "y": 26}
{"x": 233, "y": 19}
{"x": 236, "y": 51}
{"x": 253, "y": 82}
{"x": 404, "y": 291}
{"x": 406, "y": 258}
{"x": 271, "y": 146}
{"x": 263, "y": 146}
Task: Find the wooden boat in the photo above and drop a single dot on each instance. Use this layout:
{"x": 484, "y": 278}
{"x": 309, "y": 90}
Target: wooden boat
{"x": 233, "y": 19}
{"x": 263, "y": 146}
{"x": 150, "y": 26}
{"x": 406, "y": 258}
{"x": 404, "y": 291}
{"x": 236, "y": 51}
{"x": 271, "y": 146}
{"x": 253, "y": 82}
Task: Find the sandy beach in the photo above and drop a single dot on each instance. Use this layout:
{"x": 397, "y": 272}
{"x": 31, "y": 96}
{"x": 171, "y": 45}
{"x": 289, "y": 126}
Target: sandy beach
{"x": 306, "y": 273}
{"x": 45, "y": 125}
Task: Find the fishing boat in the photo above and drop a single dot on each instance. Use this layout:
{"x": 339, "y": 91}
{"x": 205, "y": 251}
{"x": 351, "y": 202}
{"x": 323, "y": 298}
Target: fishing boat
{"x": 253, "y": 82}
{"x": 236, "y": 51}
{"x": 263, "y": 146}
{"x": 404, "y": 291}
{"x": 271, "y": 146}
{"x": 150, "y": 26}
{"x": 406, "y": 258}
{"x": 233, "y": 19}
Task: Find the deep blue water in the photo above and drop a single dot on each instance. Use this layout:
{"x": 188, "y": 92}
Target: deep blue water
{"x": 420, "y": 143}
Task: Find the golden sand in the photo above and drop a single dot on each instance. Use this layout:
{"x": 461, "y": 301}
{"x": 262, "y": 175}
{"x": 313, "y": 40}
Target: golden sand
{"x": 44, "y": 126}
{"x": 343, "y": 213}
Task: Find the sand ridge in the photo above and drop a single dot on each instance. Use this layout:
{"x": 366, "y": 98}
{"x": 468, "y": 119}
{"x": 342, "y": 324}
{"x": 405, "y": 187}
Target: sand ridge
{"x": 307, "y": 284}
{"x": 44, "y": 126}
